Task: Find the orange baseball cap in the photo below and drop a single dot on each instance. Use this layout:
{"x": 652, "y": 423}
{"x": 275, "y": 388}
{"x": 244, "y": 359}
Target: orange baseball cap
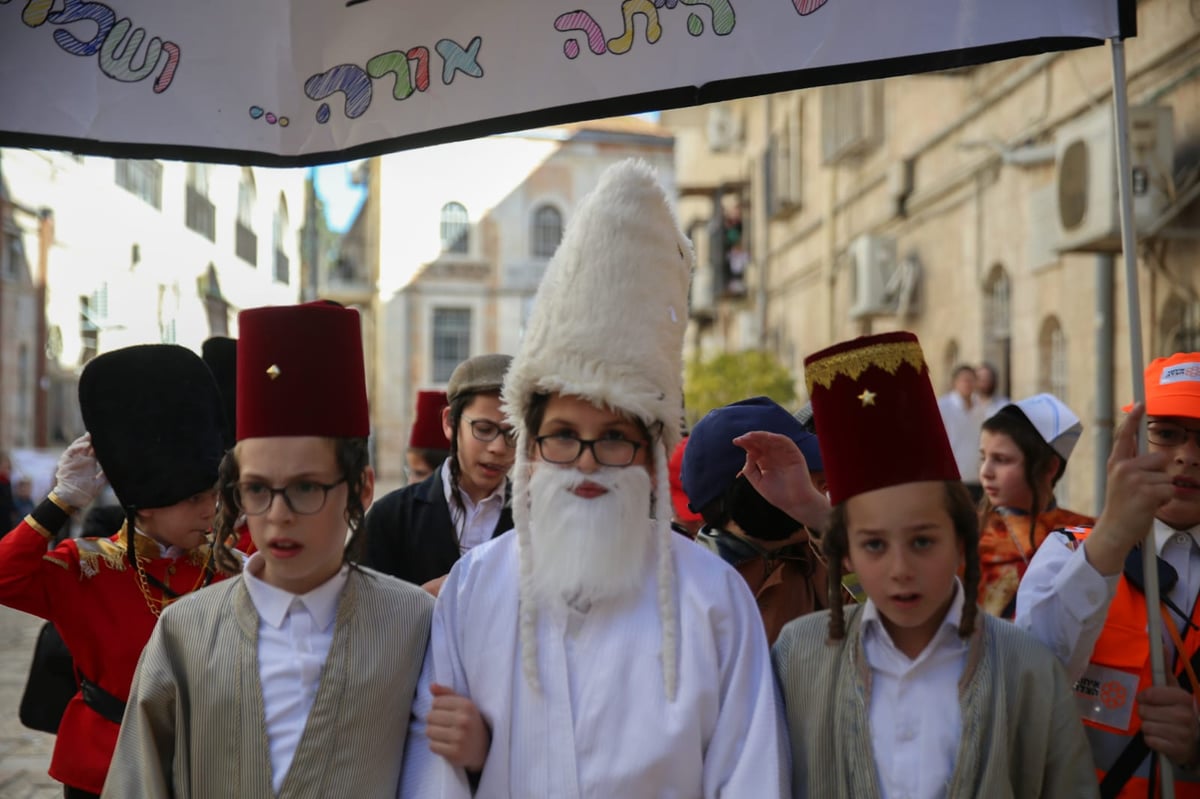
{"x": 1173, "y": 386}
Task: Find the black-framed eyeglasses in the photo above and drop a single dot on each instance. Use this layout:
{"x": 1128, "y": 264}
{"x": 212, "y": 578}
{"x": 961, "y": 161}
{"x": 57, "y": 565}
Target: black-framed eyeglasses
{"x": 1167, "y": 434}
{"x": 564, "y": 449}
{"x": 486, "y": 430}
{"x": 305, "y": 497}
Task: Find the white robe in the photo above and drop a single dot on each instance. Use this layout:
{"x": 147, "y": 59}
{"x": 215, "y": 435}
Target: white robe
{"x": 601, "y": 726}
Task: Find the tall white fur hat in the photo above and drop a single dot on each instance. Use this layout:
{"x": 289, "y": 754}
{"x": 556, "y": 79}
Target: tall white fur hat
{"x": 607, "y": 326}
{"x": 608, "y": 321}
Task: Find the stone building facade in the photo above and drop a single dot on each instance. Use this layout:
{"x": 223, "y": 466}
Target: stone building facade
{"x": 973, "y": 207}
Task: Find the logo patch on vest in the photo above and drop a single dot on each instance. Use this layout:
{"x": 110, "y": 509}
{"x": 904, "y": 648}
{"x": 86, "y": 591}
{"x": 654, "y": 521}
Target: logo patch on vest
{"x": 1105, "y": 696}
{"x": 1180, "y": 373}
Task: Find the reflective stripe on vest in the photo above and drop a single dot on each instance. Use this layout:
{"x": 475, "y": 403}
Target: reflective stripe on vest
{"x": 1118, "y": 671}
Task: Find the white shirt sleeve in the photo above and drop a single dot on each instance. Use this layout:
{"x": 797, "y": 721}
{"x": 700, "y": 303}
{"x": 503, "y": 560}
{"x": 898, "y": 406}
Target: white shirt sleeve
{"x": 748, "y": 754}
{"x": 426, "y": 775}
{"x": 1063, "y": 601}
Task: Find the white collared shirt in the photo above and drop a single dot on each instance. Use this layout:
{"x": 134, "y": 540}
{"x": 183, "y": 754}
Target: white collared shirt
{"x": 1064, "y": 601}
{"x": 962, "y": 428}
{"x": 915, "y": 716}
{"x": 482, "y": 517}
{"x": 294, "y": 636}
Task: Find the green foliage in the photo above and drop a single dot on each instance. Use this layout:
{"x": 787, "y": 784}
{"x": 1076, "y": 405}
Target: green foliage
{"x": 734, "y": 376}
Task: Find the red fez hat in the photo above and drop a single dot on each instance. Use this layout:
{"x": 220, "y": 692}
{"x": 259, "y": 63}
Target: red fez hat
{"x": 877, "y": 415}
{"x": 427, "y": 432}
{"x": 300, "y": 372}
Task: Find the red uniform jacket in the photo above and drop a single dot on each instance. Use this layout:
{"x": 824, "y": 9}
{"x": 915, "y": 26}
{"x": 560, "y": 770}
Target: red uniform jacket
{"x": 86, "y": 587}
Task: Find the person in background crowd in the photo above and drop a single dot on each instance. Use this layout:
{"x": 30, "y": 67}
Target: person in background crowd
{"x": 160, "y": 451}
{"x": 987, "y": 385}
{"x": 8, "y": 517}
{"x": 1023, "y": 451}
{"x": 1082, "y": 595}
{"x": 684, "y": 520}
{"x": 418, "y": 532}
{"x": 595, "y": 652}
{"x": 22, "y": 496}
{"x": 773, "y": 552}
{"x": 295, "y": 678}
{"x": 912, "y": 693}
{"x": 963, "y": 416}
{"x": 428, "y": 445}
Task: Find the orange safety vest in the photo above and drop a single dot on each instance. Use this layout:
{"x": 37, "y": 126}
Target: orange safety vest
{"x": 1118, "y": 671}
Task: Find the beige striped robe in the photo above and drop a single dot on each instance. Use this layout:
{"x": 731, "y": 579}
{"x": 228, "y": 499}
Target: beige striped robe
{"x": 1022, "y": 737}
{"x": 194, "y": 727}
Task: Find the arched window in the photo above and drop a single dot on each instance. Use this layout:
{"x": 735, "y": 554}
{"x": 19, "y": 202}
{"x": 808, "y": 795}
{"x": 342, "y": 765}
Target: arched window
{"x": 1052, "y": 360}
{"x": 949, "y": 361}
{"x": 1178, "y": 327}
{"x": 215, "y": 305}
{"x": 280, "y": 232}
{"x": 456, "y": 228}
{"x": 997, "y": 326}
{"x": 199, "y": 213}
{"x": 197, "y": 178}
{"x": 245, "y": 239}
{"x": 547, "y": 231}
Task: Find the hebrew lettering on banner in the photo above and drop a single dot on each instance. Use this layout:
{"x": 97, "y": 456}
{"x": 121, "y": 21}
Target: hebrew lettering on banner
{"x": 722, "y": 20}
{"x": 291, "y": 82}
{"x": 356, "y": 83}
{"x": 116, "y": 42}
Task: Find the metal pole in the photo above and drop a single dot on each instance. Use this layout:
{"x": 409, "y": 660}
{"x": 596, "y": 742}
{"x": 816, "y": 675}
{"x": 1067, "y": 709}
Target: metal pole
{"x": 1137, "y": 366}
{"x": 1105, "y": 267}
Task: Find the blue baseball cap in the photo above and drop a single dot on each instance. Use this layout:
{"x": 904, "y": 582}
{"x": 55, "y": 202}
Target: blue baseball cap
{"x": 711, "y": 461}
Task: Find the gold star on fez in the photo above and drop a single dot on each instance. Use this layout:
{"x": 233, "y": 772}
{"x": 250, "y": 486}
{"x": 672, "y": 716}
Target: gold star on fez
{"x": 867, "y": 397}
{"x": 273, "y": 371}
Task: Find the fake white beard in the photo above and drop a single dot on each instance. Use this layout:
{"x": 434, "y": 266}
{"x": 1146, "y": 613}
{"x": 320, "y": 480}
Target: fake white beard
{"x": 589, "y": 550}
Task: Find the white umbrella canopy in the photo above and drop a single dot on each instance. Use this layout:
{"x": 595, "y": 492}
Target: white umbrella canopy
{"x": 297, "y": 82}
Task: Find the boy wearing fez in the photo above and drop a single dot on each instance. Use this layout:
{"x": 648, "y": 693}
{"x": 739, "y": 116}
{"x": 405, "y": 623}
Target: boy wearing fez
{"x": 418, "y": 532}
{"x": 914, "y": 693}
{"x": 296, "y": 678}
{"x": 428, "y": 446}
{"x": 153, "y": 417}
{"x": 596, "y": 653}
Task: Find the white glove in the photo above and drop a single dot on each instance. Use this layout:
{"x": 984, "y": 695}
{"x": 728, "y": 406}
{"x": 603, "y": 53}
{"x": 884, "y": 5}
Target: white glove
{"x": 79, "y": 478}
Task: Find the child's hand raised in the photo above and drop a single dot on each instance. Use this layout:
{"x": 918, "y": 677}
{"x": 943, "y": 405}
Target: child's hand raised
{"x": 776, "y": 468}
{"x": 456, "y": 730}
{"x": 1138, "y": 485}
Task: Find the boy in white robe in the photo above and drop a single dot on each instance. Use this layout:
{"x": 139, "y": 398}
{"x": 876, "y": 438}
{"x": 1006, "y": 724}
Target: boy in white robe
{"x": 294, "y": 679}
{"x": 594, "y": 653}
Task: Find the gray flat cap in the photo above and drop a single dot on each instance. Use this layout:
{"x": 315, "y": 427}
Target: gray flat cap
{"x": 478, "y": 375}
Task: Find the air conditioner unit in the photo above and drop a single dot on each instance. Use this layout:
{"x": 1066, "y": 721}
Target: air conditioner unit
{"x": 872, "y": 262}
{"x": 1087, "y": 212}
{"x": 724, "y": 128}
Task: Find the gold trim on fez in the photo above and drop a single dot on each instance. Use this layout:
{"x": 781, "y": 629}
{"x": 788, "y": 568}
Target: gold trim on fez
{"x": 852, "y": 363}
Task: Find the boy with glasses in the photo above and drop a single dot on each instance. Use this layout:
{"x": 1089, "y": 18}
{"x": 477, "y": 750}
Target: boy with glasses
{"x": 1082, "y": 594}
{"x": 595, "y": 652}
{"x": 418, "y": 532}
{"x": 296, "y": 678}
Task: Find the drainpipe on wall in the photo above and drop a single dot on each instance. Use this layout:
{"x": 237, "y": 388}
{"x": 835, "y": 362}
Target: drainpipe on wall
{"x": 1104, "y": 270}
{"x": 764, "y": 235}
{"x": 42, "y": 381}
{"x": 4, "y": 212}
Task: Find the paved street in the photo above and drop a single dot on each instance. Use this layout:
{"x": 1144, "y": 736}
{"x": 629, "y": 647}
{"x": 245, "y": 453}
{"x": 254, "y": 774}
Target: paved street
{"x": 24, "y": 754}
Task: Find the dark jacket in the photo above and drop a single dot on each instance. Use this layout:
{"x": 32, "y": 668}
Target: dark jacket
{"x": 410, "y": 534}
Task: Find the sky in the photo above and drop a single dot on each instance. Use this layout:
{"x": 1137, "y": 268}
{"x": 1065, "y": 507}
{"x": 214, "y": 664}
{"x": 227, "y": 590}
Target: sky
{"x": 342, "y": 198}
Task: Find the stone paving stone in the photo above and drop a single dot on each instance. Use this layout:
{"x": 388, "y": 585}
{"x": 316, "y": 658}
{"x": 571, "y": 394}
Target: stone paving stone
{"x": 24, "y": 754}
